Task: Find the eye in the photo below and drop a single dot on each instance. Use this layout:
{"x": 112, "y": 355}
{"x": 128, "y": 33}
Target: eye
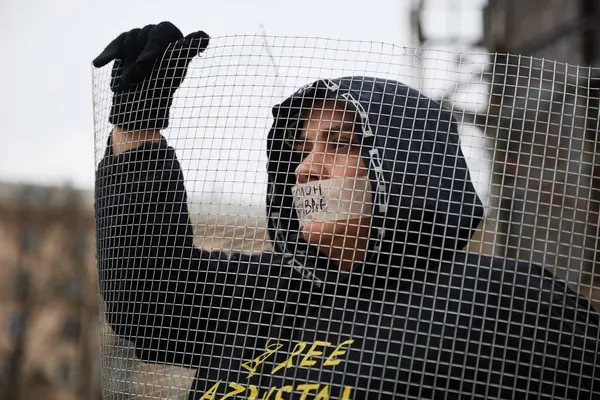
{"x": 301, "y": 147}
{"x": 342, "y": 145}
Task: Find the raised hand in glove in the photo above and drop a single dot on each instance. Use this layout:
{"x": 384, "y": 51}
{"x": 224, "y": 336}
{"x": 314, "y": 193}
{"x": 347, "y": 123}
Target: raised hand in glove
{"x": 150, "y": 64}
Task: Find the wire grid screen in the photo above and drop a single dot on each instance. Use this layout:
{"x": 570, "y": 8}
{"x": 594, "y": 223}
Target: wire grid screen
{"x": 467, "y": 270}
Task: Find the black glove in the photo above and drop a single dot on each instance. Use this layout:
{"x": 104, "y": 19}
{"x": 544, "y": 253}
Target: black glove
{"x": 150, "y": 64}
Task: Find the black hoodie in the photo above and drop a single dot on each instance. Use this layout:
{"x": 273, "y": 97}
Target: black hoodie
{"x": 419, "y": 319}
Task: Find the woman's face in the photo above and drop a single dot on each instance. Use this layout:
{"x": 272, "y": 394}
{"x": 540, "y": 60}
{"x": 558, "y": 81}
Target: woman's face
{"x": 330, "y": 149}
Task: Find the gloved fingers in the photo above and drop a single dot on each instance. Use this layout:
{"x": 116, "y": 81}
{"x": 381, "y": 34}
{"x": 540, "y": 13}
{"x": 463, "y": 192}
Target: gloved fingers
{"x": 194, "y": 43}
{"x": 140, "y": 45}
{"x": 111, "y": 52}
{"x": 197, "y": 35}
{"x": 158, "y": 41}
{"x": 126, "y": 47}
{"x": 133, "y": 45}
{"x": 177, "y": 57}
{"x": 155, "y": 52}
{"x": 200, "y": 37}
{"x": 152, "y": 44}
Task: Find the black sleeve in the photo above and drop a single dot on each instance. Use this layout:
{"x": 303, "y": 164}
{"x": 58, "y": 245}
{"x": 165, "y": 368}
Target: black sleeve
{"x": 161, "y": 292}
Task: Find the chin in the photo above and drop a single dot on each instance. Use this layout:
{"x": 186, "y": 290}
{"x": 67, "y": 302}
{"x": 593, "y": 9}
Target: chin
{"x": 322, "y": 234}
{"x": 332, "y": 238}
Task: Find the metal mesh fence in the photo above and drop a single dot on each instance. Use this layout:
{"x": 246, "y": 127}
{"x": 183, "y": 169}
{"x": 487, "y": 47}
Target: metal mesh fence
{"x": 350, "y": 220}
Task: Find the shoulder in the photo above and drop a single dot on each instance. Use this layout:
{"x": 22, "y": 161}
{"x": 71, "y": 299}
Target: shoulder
{"x": 526, "y": 286}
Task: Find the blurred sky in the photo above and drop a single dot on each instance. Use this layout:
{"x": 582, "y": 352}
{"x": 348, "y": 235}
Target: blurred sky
{"x": 46, "y": 99}
{"x": 46, "y": 96}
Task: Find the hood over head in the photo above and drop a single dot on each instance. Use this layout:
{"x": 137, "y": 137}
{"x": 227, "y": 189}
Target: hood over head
{"x": 425, "y": 207}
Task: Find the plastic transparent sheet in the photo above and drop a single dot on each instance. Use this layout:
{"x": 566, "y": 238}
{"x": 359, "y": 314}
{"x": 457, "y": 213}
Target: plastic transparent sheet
{"x": 527, "y": 128}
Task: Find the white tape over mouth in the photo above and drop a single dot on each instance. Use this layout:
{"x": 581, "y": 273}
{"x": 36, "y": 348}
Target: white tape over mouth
{"x": 333, "y": 200}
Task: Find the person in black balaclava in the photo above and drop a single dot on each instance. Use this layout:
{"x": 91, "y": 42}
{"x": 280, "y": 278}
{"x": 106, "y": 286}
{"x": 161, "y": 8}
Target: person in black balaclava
{"x": 367, "y": 293}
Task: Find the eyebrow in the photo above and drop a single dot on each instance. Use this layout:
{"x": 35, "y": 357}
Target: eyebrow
{"x": 336, "y": 128}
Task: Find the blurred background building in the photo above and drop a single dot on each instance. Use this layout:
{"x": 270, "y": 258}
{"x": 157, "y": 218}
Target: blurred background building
{"x": 540, "y": 125}
{"x": 49, "y": 343}
{"x": 550, "y": 191}
{"x": 562, "y": 30}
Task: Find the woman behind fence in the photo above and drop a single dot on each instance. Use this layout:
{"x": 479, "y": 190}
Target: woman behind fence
{"x": 367, "y": 293}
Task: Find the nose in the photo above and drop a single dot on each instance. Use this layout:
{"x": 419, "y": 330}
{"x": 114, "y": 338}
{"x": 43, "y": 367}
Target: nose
{"x": 312, "y": 168}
